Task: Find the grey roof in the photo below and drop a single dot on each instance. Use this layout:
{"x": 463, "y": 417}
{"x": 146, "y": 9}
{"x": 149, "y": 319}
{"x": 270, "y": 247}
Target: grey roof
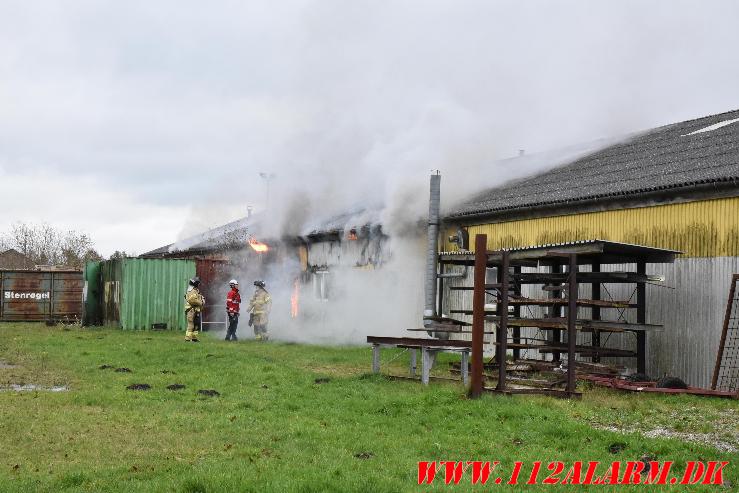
{"x": 238, "y": 232}
{"x": 219, "y": 237}
{"x": 669, "y": 157}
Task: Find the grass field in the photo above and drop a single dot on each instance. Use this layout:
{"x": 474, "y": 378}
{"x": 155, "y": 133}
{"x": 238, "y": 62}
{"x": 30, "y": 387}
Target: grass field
{"x": 302, "y": 418}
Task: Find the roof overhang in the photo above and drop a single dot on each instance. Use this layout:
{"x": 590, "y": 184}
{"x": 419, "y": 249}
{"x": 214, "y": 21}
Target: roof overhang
{"x": 588, "y": 252}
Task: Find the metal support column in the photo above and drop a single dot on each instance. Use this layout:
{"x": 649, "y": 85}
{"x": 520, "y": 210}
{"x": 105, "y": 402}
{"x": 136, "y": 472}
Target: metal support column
{"x": 517, "y": 314}
{"x": 556, "y": 312}
{"x": 412, "y": 365}
{"x": 571, "y": 319}
{"x": 375, "y": 358}
{"x": 465, "y": 367}
{"x": 478, "y": 314}
{"x": 502, "y": 332}
{"x": 440, "y": 290}
{"x": 641, "y": 318}
{"x": 595, "y": 314}
{"x": 428, "y": 356}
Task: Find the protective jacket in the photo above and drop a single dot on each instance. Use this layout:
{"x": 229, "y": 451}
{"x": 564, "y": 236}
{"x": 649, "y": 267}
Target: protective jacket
{"x": 194, "y": 300}
{"x": 233, "y": 301}
{"x": 260, "y": 305}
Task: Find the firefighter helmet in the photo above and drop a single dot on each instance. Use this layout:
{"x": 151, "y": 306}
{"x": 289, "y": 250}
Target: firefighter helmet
{"x": 233, "y": 281}
{"x": 195, "y": 282}
{"x": 259, "y": 283}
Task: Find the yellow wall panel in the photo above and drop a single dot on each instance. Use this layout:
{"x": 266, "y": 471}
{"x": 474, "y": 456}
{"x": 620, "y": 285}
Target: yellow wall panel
{"x": 707, "y": 228}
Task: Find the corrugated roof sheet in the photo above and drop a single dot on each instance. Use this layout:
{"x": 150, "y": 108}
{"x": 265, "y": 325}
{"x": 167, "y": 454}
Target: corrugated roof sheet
{"x": 669, "y": 157}
{"x": 612, "y": 244}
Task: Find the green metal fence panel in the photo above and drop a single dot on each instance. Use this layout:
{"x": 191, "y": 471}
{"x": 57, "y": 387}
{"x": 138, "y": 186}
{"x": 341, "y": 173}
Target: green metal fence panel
{"x": 152, "y": 292}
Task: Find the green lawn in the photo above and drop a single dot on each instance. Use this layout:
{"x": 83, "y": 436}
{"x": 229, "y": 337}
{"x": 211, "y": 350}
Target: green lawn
{"x": 273, "y": 428}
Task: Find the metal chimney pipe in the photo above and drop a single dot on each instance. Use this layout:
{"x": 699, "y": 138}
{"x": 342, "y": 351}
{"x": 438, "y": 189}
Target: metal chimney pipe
{"x": 432, "y": 251}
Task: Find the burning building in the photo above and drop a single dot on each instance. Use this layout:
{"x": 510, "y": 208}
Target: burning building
{"x": 219, "y": 254}
{"x": 320, "y": 278}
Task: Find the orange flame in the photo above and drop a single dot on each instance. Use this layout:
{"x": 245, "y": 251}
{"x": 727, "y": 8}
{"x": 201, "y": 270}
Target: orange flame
{"x": 294, "y": 299}
{"x": 258, "y": 246}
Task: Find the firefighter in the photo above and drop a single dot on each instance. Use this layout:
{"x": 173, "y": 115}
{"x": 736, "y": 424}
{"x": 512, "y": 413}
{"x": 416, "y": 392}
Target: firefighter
{"x": 233, "y": 302}
{"x": 259, "y": 307}
{"x": 194, "y": 303}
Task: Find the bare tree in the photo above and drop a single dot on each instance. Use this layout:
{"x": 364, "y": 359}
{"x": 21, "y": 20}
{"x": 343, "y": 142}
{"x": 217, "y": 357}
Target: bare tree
{"x": 46, "y": 245}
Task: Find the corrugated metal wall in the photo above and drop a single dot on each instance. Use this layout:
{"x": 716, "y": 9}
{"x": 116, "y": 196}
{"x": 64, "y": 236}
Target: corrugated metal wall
{"x": 153, "y": 292}
{"x": 707, "y": 228}
{"x": 138, "y": 293}
{"x": 693, "y": 315}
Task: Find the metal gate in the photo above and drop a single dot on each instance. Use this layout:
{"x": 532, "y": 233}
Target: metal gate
{"x": 36, "y": 296}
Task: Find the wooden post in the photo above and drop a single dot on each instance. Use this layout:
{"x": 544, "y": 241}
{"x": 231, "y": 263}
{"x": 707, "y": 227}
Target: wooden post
{"x": 502, "y": 331}
{"x": 571, "y": 328}
{"x": 478, "y": 314}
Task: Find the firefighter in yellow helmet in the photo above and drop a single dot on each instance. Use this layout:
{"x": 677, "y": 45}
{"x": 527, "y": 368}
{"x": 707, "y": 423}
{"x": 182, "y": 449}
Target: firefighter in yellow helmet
{"x": 259, "y": 307}
{"x": 194, "y": 303}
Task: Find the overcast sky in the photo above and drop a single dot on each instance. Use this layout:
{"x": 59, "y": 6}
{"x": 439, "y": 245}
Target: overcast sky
{"x": 139, "y": 122}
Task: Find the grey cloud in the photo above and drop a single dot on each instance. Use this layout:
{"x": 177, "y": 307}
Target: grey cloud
{"x": 345, "y": 102}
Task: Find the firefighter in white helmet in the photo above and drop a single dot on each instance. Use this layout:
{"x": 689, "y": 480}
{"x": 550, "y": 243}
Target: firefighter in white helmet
{"x": 259, "y": 307}
{"x": 233, "y": 304}
{"x": 194, "y": 303}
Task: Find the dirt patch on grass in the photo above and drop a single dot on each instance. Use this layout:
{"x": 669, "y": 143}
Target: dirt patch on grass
{"x": 364, "y": 455}
{"x": 4, "y": 365}
{"x": 175, "y": 386}
{"x": 209, "y": 392}
{"x": 105, "y": 367}
{"x": 123, "y": 370}
{"x": 139, "y": 386}
{"x": 322, "y": 380}
{"x": 720, "y": 442}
